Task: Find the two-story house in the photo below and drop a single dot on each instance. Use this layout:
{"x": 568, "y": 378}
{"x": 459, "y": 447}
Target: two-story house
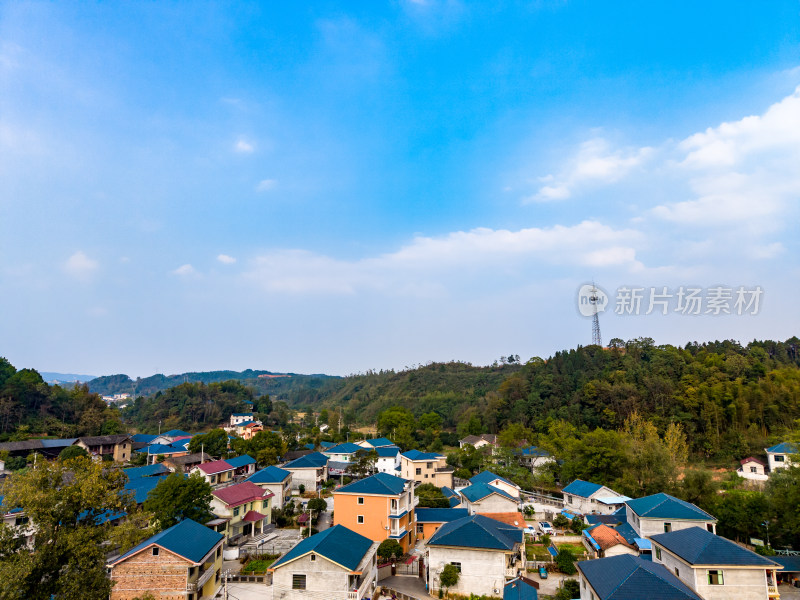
{"x": 662, "y": 513}
{"x": 276, "y": 480}
{"x": 343, "y": 453}
{"x": 714, "y": 567}
{"x": 17, "y": 521}
{"x": 379, "y": 507}
{"x": 183, "y": 561}
{"x": 375, "y": 443}
{"x": 487, "y": 553}
{"x": 216, "y": 472}
{"x": 335, "y": 564}
{"x": 501, "y": 483}
{"x": 388, "y": 460}
{"x": 118, "y": 447}
{"x": 239, "y": 418}
{"x": 534, "y": 458}
{"x": 426, "y": 467}
{"x": 782, "y": 455}
{"x": 628, "y": 577}
{"x": 246, "y": 507}
{"x": 484, "y": 498}
{"x": 584, "y": 497}
{"x": 309, "y": 470}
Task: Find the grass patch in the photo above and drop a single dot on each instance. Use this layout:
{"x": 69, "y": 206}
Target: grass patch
{"x": 258, "y": 566}
{"x": 536, "y": 552}
{"x": 577, "y": 549}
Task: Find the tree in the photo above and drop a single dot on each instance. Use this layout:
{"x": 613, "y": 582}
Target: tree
{"x": 449, "y": 576}
{"x": 364, "y": 463}
{"x": 577, "y": 525}
{"x": 565, "y": 560}
{"x": 431, "y": 496}
{"x": 214, "y": 443}
{"x": 176, "y": 498}
{"x": 783, "y": 494}
{"x": 72, "y": 452}
{"x": 66, "y": 502}
{"x": 389, "y": 549}
{"x": 318, "y": 505}
{"x": 265, "y": 446}
{"x": 561, "y": 521}
{"x": 570, "y": 588}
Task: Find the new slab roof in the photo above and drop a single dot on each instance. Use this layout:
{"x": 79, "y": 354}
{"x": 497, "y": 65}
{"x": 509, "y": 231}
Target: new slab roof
{"x": 627, "y": 577}
{"x": 315, "y": 460}
{"x": 440, "y": 515}
{"x": 381, "y": 484}
{"x": 271, "y": 474}
{"x": 697, "y": 546}
{"x": 187, "y": 539}
{"x": 478, "y": 491}
{"x": 664, "y": 506}
{"x": 338, "y": 544}
{"x": 581, "y": 488}
{"x": 477, "y": 531}
{"x": 489, "y": 477}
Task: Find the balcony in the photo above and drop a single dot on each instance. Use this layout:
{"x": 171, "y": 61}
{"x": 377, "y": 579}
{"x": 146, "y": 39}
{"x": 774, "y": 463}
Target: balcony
{"x": 362, "y": 589}
{"x": 772, "y": 591}
{"x": 197, "y": 584}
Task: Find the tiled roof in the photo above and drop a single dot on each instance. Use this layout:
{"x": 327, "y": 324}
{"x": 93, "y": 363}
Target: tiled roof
{"x": 697, "y": 546}
{"x": 379, "y": 442}
{"x": 338, "y": 544}
{"x": 387, "y": 451}
{"x": 479, "y": 491}
{"x": 664, "y": 506}
{"x": 627, "y": 577}
{"x": 346, "y": 448}
{"x": 105, "y": 440}
{"x": 515, "y": 519}
{"x": 520, "y": 588}
{"x": 417, "y": 455}
{"x": 147, "y": 471}
{"x": 60, "y": 443}
{"x": 477, "y": 531}
{"x": 240, "y": 493}
{"x": 489, "y": 477}
{"x": 271, "y": 474}
{"x": 584, "y": 489}
{"x": 315, "y": 460}
{"x": 215, "y": 466}
{"x": 381, "y": 484}
{"x": 187, "y": 539}
{"x": 606, "y": 537}
{"x": 784, "y": 448}
{"x": 253, "y": 515}
{"x": 440, "y": 515}
{"x": 749, "y": 459}
{"x": 241, "y": 461}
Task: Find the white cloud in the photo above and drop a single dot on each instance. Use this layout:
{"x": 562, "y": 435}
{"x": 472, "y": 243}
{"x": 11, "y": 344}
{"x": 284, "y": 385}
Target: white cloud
{"x": 243, "y": 146}
{"x": 80, "y": 266}
{"x": 186, "y": 270}
{"x": 266, "y": 185}
{"x": 225, "y": 259}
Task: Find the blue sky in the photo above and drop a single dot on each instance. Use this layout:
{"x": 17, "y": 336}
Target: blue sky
{"x": 331, "y": 187}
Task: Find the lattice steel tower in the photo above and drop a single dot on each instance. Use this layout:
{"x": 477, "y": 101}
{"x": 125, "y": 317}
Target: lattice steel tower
{"x": 593, "y": 299}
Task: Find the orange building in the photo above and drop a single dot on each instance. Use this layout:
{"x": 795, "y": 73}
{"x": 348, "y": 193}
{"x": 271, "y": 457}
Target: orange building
{"x": 430, "y": 519}
{"x": 380, "y": 507}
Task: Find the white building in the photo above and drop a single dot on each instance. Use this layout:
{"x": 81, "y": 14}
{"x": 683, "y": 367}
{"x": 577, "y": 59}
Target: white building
{"x": 782, "y": 455}
{"x": 584, "y": 497}
{"x": 388, "y": 460}
{"x": 752, "y": 469}
{"x": 484, "y": 498}
{"x": 662, "y": 513}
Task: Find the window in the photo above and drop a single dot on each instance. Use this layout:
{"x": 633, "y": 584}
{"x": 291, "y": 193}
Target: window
{"x": 428, "y": 465}
{"x": 457, "y": 565}
{"x": 715, "y": 577}
{"x": 360, "y": 519}
{"x": 753, "y": 470}
{"x": 298, "y": 581}
{"x": 155, "y": 551}
{"x": 778, "y": 458}
{"x": 710, "y": 527}
{"x": 19, "y": 521}
{"x": 419, "y": 471}
{"x": 313, "y": 557}
{"x": 569, "y": 499}
{"x": 667, "y": 527}
{"x": 236, "y": 512}
{"x": 658, "y": 553}
{"x": 677, "y": 572}
{"x": 219, "y": 551}
{"x": 360, "y": 500}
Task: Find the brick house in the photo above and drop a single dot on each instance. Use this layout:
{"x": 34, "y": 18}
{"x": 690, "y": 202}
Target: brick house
{"x": 117, "y": 446}
{"x": 245, "y": 506}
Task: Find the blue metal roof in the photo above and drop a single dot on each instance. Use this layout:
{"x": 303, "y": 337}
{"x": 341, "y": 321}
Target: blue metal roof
{"x": 584, "y": 489}
{"x": 627, "y": 531}
{"x": 381, "y": 484}
{"x": 519, "y": 589}
{"x": 326, "y": 444}
{"x": 477, "y": 531}
{"x": 448, "y": 493}
{"x": 309, "y": 446}
{"x": 440, "y": 515}
{"x": 160, "y": 449}
{"x": 489, "y": 477}
{"x": 643, "y": 543}
{"x": 664, "y": 506}
{"x": 338, "y": 543}
{"x": 247, "y": 414}
{"x": 241, "y": 461}
{"x": 627, "y": 577}
{"x": 784, "y": 448}
{"x": 175, "y": 433}
{"x": 60, "y": 443}
{"x": 146, "y": 471}
{"x": 346, "y": 448}
{"x": 143, "y": 438}
{"x": 479, "y": 491}
{"x": 187, "y": 539}
{"x": 532, "y": 451}
{"x": 791, "y": 564}
{"x": 142, "y": 486}
{"x": 271, "y": 474}
{"x": 387, "y": 451}
{"x": 604, "y": 519}
{"x": 315, "y": 460}
{"x": 417, "y": 455}
{"x": 6, "y": 510}
{"x": 379, "y": 442}
{"x": 697, "y": 546}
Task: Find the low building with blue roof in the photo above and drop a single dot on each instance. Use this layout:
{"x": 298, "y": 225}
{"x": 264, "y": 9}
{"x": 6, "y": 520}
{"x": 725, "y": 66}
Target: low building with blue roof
{"x": 485, "y": 498}
{"x": 661, "y": 513}
{"x": 521, "y": 588}
{"x": 309, "y": 470}
{"x": 245, "y": 465}
{"x": 487, "y": 552}
{"x": 186, "y": 558}
{"x": 376, "y": 443}
{"x": 783, "y": 455}
{"x": 153, "y": 451}
{"x": 426, "y": 467}
{"x": 508, "y": 486}
{"x": 452, "y": 496}
{"x": 276, "y": 480}
{"x": 585, "y": 498}
{"x": 714, "y": 567}
{"x": 343, "y": 452}
{"x": 388, "y": 459}
{"x": 627, "y": 577}
{"x": 430, "y": 519}
{"x": 335, "y": 564}
{"x": 146, "y": 471}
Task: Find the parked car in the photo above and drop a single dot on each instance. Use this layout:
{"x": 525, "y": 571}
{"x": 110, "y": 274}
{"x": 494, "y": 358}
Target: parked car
{"x": 531, "y": 530}
{"x": 546, "y": 528}
{"x": 542, "y": 573}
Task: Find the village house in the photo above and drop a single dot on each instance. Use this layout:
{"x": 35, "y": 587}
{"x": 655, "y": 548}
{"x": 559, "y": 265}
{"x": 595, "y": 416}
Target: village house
{"x": 118, "y": 447}
{"x": 244, "y": 465}
{"x": 183, "y": 561}
{"x": 627, "y": 577}
{"x": 153, "y": 451}
{"x": 483, "y": 498}
{"x": 17, "y": 521}
{"x": 388, "y": 460}
{"x": 782, "y": 455}
{"x": 430, "y": 519}
{"x": 246, "y": 507}
{"x": 375, "y": 443}
{"x": 752, "y": 469}
{"x": 275, "y": 480}
{"x": 184, "y": 463}
{"x": 521, "y": 588}
{"x": 170, "y": 436}
{"x": 662, "y": 513}
{"x": 248, "y": 430}
{"x": 483, "y": 440}
{"x": 534, "y": 458}
{"x": 714, "y": 567}
{"x": 486, "y": 552}
{"x": 501, "y": 483}
{"x": 426, "y": 467}
{"x": 335, "y": 564}
{"x": 602, "y": 541}
{"x": 239, "y": 418}
{"x": 217, "y": 473}
{"x": 379, "y": 507}
{"x": 343, "y": 453}
{"x": 309, "y": 470}
{"x": 584, "y": 497}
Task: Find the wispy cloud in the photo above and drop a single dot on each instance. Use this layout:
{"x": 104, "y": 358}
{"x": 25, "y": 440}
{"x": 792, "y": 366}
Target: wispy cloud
{"x": 186, "y": 270}
{"x": 80, "y": 266}
{"x": 244, "y": 146}
{"x": 225, "y": 259}
{"x": 266, "y": 185}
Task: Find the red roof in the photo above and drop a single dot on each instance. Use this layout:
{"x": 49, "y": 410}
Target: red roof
{"x": 744, "y": 461}
{"x": 253, "y": 515}
{"x": 215, "y": 466}
{"x": 241, "y": 493}
{"x": 607, "y": 537}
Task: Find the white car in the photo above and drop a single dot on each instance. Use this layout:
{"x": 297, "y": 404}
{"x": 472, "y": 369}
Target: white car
{"x": 531, "y": 530}
{"x": 546, "y": 528}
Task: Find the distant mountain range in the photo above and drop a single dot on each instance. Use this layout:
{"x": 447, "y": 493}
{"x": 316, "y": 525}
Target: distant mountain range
{"x": 65, "y": 377}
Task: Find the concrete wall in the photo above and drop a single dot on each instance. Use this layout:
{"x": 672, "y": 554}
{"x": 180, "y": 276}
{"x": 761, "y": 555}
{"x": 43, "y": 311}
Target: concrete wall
{"x": 324, "y": 579}
{"x": 493, "y": 503}
{"x": 306, "y": 477}
{"x": 482, "y": 571}
{"x": 281, "y": 491}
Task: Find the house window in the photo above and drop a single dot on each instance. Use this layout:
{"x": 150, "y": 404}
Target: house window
{"x": 236, "y": 512}
{"x": 715, "y": 577}
{"x": 419, "y": 471}
{"x": 658, "y": 553}
{"x": 298, "y": 581}
{"x": 155, "y": 551}
{"x": 313, "y": 557}
{"x": 457, "y": 565}
{"x": 677, "y": 572}
{"x": 360, "y": 519}
{"x": 428, "y": 465}
{"x": 753, "y": 470}
{"x": 19, "y": 521}
{"x": 569, "y": 499}
{"x": 710, "y": 527}
{"x": 360, "y": 500}
{"x": 778, "y": 458}
{"x": 667, "y": 527}
{"x": 219, "y": 551}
